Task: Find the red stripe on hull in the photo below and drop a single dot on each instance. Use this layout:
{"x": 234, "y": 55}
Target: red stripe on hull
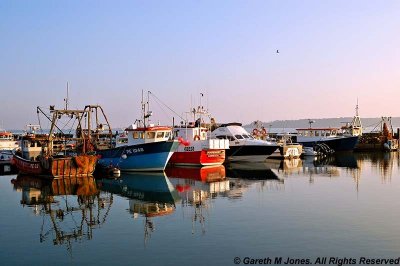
{"x": 204, "y": 157}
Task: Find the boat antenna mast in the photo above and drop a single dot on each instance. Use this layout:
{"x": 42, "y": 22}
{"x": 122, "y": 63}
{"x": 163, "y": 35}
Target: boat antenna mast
{"x": 146, "y": 115}
{"x": 66, "y": 100}
{"x": 357, "y": 108}
{"x": 310, "y": 122}
{"x": 199, "y": 112}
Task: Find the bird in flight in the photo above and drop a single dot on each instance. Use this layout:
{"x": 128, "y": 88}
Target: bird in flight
{"x": 277, "y": 51}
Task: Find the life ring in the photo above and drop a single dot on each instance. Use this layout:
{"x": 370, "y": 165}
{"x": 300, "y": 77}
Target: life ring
{"x": 264, "y": 132}
{"x": 197, "y": 137}
{"x": 255, "y": 132}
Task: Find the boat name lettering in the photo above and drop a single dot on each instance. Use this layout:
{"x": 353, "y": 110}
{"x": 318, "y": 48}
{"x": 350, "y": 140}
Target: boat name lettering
{"x": 134, "y": 150}
{"x": 29, "y": 165}
{"x": 191, "y": 148}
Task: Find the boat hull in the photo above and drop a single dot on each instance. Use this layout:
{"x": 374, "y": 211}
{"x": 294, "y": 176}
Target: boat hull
{"x": 71, "y": 166}
{"x": 198, "y": 158}
{"x": 250, "y": 152}
{"x": 337, "y": 144}
{"x": 152, "y": 156}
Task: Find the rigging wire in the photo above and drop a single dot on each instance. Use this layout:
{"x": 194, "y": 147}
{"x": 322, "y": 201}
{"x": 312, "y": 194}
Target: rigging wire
{"x": 166, "y": 106}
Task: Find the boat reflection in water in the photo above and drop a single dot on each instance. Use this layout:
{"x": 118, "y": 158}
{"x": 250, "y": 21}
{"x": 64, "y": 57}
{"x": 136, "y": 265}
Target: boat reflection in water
{"x": 196, "y": 183}
{"x": 245, "y": 174}
{"x": 252, "y": 171}
{"x": 197, "y": 186}
{"x": 329, "y": 166}
{"x": 70, "y": 207}
{"x": 150, "y": 195}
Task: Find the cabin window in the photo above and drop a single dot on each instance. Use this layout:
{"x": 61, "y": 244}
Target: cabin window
{"x": 137, "y": 135}
{"x": 317, "y": 133}
{"x": 168, "y": 135}
{"x": 150, "y": 135}
{"x": 160, "y": 134}
{"x": 230, "y": 138}
{"x": 239, "y": 136}
{"x": 245, "y": 136}
{"x": 123, "y": 140}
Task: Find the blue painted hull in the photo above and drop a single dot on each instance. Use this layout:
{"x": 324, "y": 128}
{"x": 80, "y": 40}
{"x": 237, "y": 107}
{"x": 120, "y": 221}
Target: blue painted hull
{"x": 337, "y": 144}
{"x": 143, "y": 157}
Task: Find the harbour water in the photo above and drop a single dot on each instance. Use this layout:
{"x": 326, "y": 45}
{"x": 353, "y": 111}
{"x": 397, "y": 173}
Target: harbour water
{"x": 344, "y": 207}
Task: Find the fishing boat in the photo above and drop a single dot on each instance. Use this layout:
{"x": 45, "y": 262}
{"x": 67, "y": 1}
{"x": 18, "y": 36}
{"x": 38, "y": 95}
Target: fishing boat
{"x": 381, "y": 138}
{"x": 57, "y": 153}
{"x": 198, "y": 148}
{"x": 242, "y": 146}
{"x": 8, "y": 144}
{"x": 141, "y": 147}
{"x": 331, "y": 137}
{"x": 7, "y": 141}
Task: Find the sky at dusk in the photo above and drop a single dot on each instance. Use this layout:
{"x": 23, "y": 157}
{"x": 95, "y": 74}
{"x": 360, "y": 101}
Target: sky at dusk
{"x": 330, "y": 54}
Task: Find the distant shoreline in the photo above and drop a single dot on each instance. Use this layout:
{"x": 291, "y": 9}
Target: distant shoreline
{"x": 325, "y": 122}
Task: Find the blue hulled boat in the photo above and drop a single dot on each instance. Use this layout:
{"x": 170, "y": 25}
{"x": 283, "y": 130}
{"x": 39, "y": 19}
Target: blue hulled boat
{"x": 332, "y": 137}
{"x": 141, "y": 147}
{"x": 152, "y": 156}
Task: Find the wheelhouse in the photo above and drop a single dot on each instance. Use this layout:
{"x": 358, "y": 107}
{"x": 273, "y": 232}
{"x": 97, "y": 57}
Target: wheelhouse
{"x": 139, "y": 135}
{"x": 318, "y": 132}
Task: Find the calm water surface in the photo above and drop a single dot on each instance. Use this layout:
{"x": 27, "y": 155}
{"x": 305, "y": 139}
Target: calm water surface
{"x": 347, "y": 206}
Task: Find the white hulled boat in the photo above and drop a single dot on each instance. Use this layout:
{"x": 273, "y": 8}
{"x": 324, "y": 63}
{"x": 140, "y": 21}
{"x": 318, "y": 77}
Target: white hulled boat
{"x": 242, "y": 146}
{"x": 7, "y": 144}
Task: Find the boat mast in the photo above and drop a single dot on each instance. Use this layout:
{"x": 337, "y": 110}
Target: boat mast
{"x": 201, "y": 110}
{"x": 143, "y": 111}
{"x": 357, "y": 108}
{"x": 149, "y": 113}
{"x": 66, "y": 99}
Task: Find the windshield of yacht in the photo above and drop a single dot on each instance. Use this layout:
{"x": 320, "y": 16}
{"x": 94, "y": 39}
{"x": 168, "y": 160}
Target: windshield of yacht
{"x": 239, "y": 136}
{"x": 230, "y": 138}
